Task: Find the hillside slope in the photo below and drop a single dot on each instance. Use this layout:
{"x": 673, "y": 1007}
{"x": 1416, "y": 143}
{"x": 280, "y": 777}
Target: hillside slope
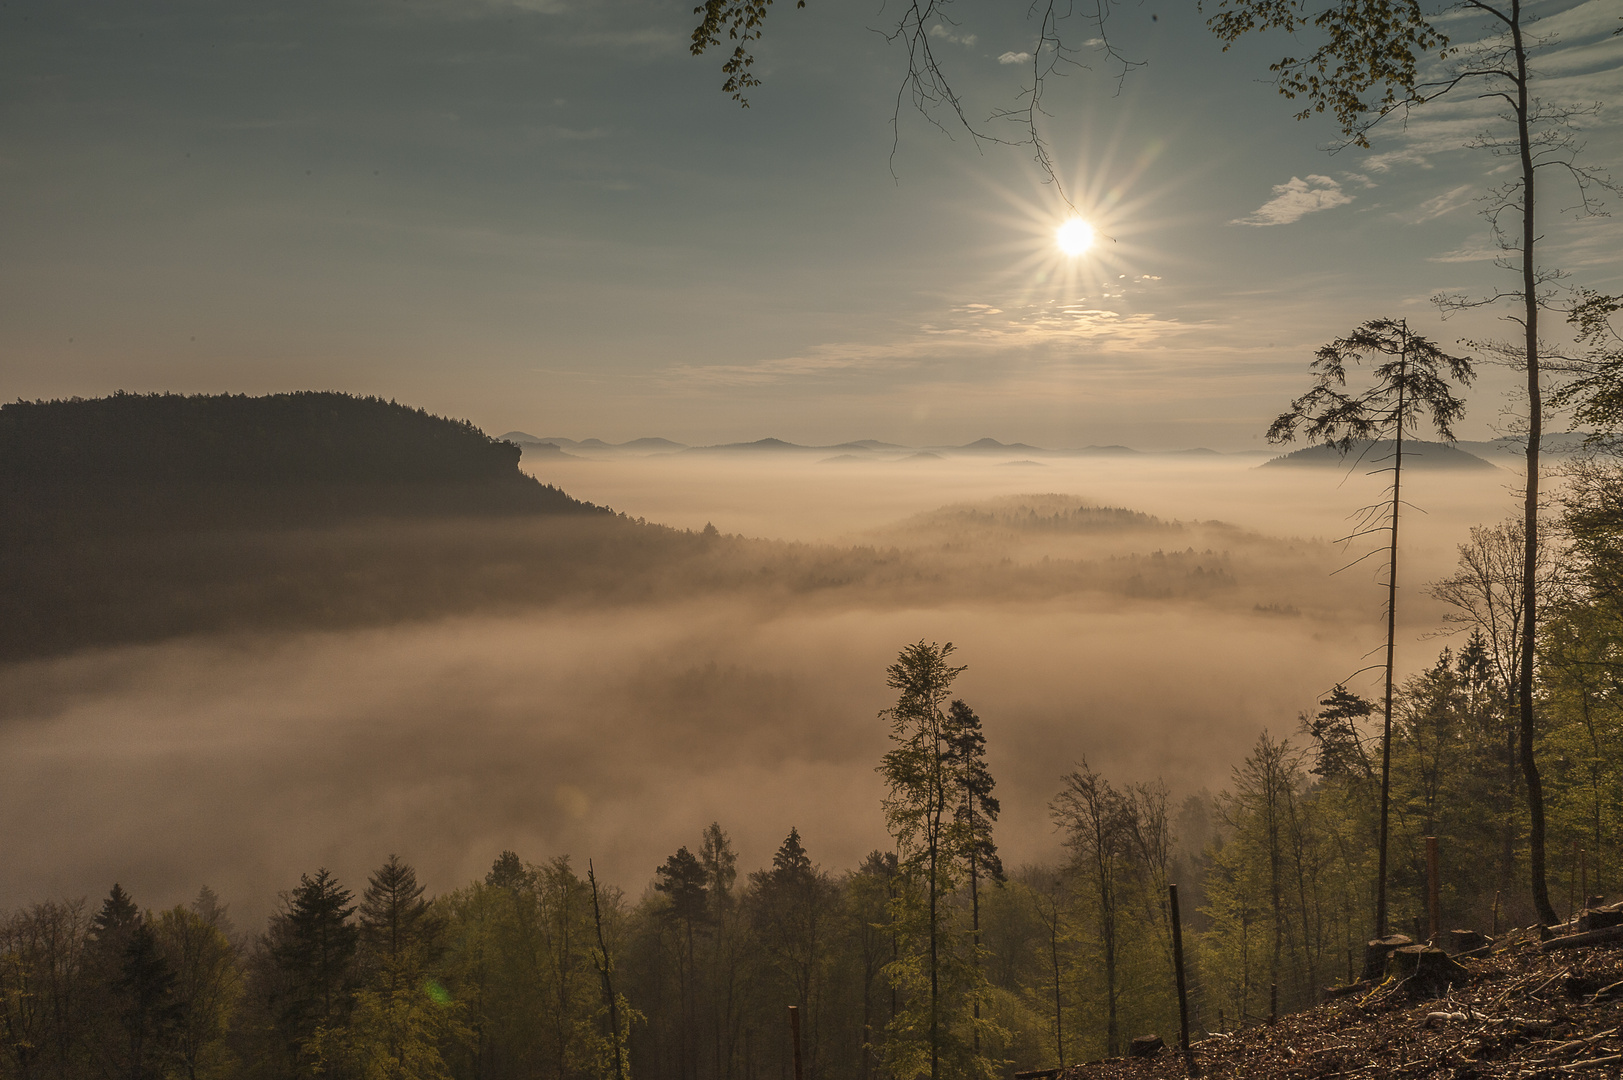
{"x": 1526, "y": 1010}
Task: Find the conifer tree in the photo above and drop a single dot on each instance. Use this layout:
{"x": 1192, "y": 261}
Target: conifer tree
{"x": 790, "y": 907}
{"x": 398, "y": 933}
{"x": 313, "y": 943}
{"x": 977, "y": 809}
{"x": 683, "y": 880}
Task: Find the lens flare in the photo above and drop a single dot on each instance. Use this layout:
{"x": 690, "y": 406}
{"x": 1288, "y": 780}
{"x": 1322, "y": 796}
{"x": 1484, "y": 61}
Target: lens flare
{"x": 1074, "y": 237}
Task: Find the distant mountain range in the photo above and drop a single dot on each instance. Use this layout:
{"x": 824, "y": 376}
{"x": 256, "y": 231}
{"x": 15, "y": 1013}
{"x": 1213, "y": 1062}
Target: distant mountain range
{"x": 856, "y": 450}
{"x": 1465, "y": 454}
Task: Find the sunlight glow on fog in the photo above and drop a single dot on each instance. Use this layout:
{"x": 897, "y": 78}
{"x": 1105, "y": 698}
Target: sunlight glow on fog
{"x": 618, "y": 731}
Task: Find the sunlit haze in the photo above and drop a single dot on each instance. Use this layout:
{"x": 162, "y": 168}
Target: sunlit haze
{"x": 601, "y": 539}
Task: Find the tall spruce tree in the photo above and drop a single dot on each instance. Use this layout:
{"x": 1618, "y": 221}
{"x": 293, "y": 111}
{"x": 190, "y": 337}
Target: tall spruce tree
{"x": 398, "y": 932}
{"x": 683, "y": 880}
{"x": 313, "y": 942}
{"x": 977, "y": 809}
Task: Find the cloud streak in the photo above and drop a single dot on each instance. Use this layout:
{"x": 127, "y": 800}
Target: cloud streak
{"x": 1295, "y": 199}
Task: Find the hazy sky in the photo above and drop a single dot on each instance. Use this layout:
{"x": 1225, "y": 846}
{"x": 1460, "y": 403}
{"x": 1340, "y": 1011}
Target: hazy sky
{"x": 543, "y": 214}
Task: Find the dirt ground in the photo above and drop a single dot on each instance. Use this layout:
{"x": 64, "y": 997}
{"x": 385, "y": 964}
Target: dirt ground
{"x": 1525, "y": 1012}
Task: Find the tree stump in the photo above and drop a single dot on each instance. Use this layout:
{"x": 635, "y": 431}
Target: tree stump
{"x": 1146, "y": 1046}
{"x": 1599, "y": 920}
{"x": 1465, "y": 940}
{"x": 1429, "y": 971}
{"x": 1376, "y": 952}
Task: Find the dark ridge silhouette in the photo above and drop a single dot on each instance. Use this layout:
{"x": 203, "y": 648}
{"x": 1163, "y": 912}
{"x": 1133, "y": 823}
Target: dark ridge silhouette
{"x": 768, "y": 444}
{"x": 1425, "y": 455}
{"x": 1112, "y": 450}
{"x": 652, "y": 443}
{"x": 989, "y": 445}
{"x": 139, "y": 517}
{"x": 169, "y": 461}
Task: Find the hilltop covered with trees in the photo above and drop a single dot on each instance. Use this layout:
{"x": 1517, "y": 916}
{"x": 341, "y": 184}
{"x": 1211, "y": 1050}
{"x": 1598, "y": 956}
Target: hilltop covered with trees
{"x": 169, "y": 461}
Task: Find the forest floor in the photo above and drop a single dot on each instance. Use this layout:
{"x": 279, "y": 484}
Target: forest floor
{"x": 1524, "y": 1012}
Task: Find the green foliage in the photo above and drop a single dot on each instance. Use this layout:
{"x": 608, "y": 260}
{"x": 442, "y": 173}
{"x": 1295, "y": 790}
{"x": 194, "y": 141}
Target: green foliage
{"x": 743, "y": 21}
{"x": 392, "y": 1033}
{"x": 208, "y": 986}
{"x": 932, "y": 773}
{"x": 1594, "y": 390}
{"x": 1366, "y": 63}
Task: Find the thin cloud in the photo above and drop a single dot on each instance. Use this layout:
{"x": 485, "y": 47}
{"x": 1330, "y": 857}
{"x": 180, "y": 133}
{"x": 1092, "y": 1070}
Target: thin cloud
{"x": 1014, "y": 58}
{"x": 945, "y": 34}
{"x": 969, "y": 330}
{"x": 1448, "y": 201}
{"x": 1295, "y": 199}
{"x": 1478, "y": 253}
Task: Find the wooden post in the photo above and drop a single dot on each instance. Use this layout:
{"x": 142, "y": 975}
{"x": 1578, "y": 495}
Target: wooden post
{"x": 1495, "y": 932}
{"x": 1273, "y": 1003}
{"x": 1434, "y": 907}
{"x": 794, "y": 1033}
{"x": 1572, "y": 885}
{"x": 1183, "y": 988}
{"x": 1583, "y": 876}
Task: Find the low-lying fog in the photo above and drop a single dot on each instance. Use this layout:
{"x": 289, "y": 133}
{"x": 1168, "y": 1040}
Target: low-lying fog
{"x": 619, "y": 732}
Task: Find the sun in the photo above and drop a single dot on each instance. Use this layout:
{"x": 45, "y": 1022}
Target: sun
{"x": 1074, "y": 237}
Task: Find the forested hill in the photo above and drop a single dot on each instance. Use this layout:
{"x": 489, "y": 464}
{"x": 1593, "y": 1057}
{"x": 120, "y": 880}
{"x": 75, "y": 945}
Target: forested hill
{"x": 1417, "y": 454}
{"x": 146, "y": 457}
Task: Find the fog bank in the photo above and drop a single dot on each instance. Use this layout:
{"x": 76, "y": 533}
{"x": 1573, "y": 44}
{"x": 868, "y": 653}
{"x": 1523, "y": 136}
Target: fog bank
{"x": 617, "y": 733}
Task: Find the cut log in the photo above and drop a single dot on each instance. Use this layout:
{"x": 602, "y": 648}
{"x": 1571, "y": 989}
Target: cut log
{"x": 1594, "y": 937}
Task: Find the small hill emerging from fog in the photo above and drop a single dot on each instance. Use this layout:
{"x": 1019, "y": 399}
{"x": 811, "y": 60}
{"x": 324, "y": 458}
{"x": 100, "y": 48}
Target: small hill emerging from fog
{"x": 1376, "y": 455}
{"x": 160, "y": 461}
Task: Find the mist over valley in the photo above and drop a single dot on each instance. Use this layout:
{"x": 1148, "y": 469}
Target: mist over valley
{"x": 234, "y": 702}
